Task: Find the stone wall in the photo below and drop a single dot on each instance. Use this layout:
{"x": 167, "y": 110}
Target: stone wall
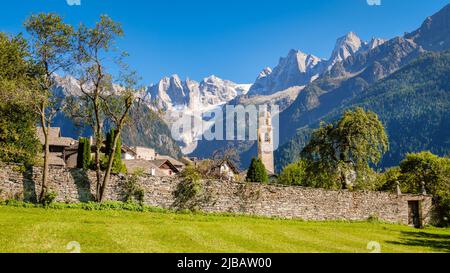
{"x": 254, "y": 199}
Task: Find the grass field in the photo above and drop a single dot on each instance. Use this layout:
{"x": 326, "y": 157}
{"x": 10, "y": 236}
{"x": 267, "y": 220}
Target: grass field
{"x": 50, "y": 230}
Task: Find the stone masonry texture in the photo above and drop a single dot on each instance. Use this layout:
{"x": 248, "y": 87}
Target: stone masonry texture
{"x": 74, "y": 185}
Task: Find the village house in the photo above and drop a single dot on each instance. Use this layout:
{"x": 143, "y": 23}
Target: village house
{"x": 146, "y": 159}
{"x": 64, "y": 154}
{"x": 179, "y": 165}
{"x": 225, "y": 169}
{"x": 133, "y": 153}
{"x": 60, "y": 147}
{"x": 159, "y": 168}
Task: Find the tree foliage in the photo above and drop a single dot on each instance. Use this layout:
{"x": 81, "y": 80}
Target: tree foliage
{"x": 84, "y": 153}
{"x": 339, "y": 154}
{"x": 257, "y": 172}
{"x": 432, "y": 172}
{"x": 18, "y": 141}
{"x": 117, "y": 166}
{"x": 294, "y": 174}
{"x": 50, "y": 43}
{"x": 188, "y": 194}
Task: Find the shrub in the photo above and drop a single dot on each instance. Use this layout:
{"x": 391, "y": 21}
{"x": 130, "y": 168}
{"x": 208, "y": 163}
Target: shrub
{"x": 118, "y": 166}
{"x": 84, "y": 154}
{"x": 20, "y": 168}
{"x": 257, "y": 172}
{"x": 189, "y": 190}
{"x": 49, "y": 198}
{"x": 293, "y": 174}
{"x": 132, "y": 190}
{"x": 388, "y": 180}
{"x": 91, "y": 206}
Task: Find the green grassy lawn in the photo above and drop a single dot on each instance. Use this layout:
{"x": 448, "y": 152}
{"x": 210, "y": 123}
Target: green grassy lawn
{"x": 50, "y": 230}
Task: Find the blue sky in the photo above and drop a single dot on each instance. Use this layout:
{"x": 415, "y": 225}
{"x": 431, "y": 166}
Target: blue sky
{"x": 233, "y": 39}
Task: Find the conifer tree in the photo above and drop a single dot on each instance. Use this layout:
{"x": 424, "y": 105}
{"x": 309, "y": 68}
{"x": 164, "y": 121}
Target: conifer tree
{"x": 257, "y": 172}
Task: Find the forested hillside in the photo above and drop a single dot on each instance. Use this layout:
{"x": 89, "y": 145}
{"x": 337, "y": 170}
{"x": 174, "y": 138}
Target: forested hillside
{"x": 413, "y": 103}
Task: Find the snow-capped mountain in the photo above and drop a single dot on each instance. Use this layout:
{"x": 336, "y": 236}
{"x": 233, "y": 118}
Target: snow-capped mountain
{"x": 300, "y": 69}
{"x": 190, "y": 99}
{"x": 296, "y": 69}
{"x": 172, "y": 93}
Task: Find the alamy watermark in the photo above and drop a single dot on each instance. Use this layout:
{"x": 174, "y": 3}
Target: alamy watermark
{"x": 73, "y": 247}
{"x": 374, "y": 246}
{"x": 229, "y": 123}
{"x": 374, "y": 2}
{"x": 73, "y": 2}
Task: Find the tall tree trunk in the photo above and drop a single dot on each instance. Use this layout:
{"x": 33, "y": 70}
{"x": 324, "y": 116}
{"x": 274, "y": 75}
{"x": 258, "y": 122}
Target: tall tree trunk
{"x": 111, "y": 158}
{"x": 45, "y": 130}
{"x": 97, "y": 167}
{"x": 98, "y": 147}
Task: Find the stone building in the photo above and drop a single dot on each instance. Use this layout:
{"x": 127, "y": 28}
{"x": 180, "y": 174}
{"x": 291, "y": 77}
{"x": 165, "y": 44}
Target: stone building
{"x": 179, "y": 165}
{"x": 224, "y": 169}
{"x": 60, "y": 147}
{"x": 265, "y": 140}
{"x": 135, "y": 153}
{"x": 158, "y": 168}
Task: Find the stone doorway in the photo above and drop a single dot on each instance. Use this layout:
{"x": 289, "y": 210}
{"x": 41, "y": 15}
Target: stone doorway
{"x": 414, "y": 214}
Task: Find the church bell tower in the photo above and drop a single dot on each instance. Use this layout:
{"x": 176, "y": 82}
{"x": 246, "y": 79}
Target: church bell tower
{"x": 265, "y": 140}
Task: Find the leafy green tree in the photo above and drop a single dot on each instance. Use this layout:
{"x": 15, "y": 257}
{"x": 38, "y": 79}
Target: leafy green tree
{"x": 50, "y": 43}
{"x": 419, "y": 172}
{"x": 388, "y": 180}
{"x": 294, "y": 174}
{"x": 343, "y": 151}
{"x": 257, "y": 172}
{"x": 18, "y": 141}
{"x": 84, "y": 154}
{"x": 431, "y": 172}
{"x": 103, "y": 103}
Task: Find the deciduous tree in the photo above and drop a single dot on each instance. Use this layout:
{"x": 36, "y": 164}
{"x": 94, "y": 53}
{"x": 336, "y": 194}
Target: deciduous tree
{"x": 50, "y": 44}
{"x": 18, "y": 141}
{"x": 342, "y": 152}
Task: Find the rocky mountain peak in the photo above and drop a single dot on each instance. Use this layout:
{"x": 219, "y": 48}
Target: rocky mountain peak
{"x": 375, "y": 42}
{"x": 434, "y": 34}
{"x": 345, "y": 47}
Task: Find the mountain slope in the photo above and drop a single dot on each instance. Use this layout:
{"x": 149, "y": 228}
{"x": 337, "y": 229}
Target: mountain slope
{"x": 413, "y": 104}
{"x": 354, "y": 67}
{"x": 296, "y": 69}
{"x": 147, "y": 129}
{"x": 373, "y": 62}
{"x": 286, "y": 83}
{"x": 190, "y": 99}
{"x": 434, "y": 34}
{"x": 345, "y": 80}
